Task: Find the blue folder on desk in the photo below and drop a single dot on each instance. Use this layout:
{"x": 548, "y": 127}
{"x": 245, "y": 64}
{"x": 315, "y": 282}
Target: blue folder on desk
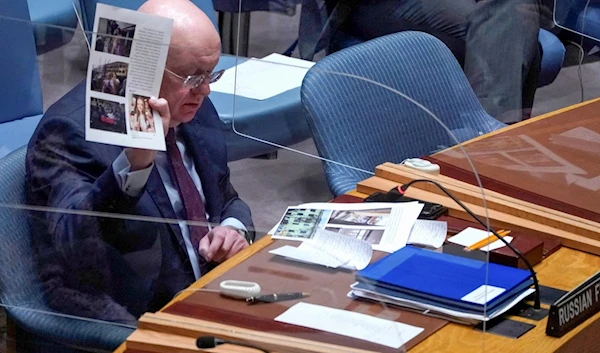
{"x": 449, "y": 279}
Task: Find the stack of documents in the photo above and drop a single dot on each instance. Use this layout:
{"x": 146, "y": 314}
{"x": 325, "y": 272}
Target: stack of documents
{"x": 385, "y": 226}
{"x": 455, "y": 288}
{"x": 331, "y": 250}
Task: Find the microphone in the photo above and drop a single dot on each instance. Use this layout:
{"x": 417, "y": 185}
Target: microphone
{"x": 536, "y": 305}
{"x": 206, "y": 342}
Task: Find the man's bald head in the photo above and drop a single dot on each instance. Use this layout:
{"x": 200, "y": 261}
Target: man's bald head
{"x": 195, "y": 49}
{"x": 192, "y": 29}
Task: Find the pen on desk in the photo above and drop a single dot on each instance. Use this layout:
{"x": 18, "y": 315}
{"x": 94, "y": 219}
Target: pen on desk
{"x": 492, "y": 238}
{"x": 272, "y": 298}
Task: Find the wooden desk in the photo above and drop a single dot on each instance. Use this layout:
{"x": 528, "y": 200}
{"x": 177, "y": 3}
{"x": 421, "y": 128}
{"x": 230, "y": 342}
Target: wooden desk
{"x": 563, "y": 270}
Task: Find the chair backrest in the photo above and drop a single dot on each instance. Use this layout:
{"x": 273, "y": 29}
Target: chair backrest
{"x": 362, "y": 124}
{"x": 89, "y": 9}
{"x": 19, "y": 284}
{"x": 20, "y": 288}
{"x": 20, "y": 88}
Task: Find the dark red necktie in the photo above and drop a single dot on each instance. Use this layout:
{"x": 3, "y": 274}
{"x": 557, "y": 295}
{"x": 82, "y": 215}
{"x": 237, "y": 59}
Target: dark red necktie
{"x": 193, "y": 206}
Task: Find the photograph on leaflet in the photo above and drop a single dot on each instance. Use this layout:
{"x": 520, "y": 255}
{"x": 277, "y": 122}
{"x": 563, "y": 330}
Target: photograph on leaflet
{"x": 114, "y": 37}
{"x": 107, "y": 116}
{"x": 370, "y": 235}
{"x": 141, "y": 116}
{"x": 109, "y": 77}
{"x": 301, "y": 223}
{"x": 374, "y": 217}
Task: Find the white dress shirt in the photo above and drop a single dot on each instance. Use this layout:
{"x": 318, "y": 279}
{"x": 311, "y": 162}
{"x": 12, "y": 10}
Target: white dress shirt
{"x": 132, "y": 184}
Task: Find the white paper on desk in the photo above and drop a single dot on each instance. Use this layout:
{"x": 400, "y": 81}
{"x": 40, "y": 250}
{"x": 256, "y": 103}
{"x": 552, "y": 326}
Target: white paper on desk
{"x": 402, "y": 224}
{"x": 330, "y": 249}
{"x": 288, "y": 60}
{"x": 351, "y": 324}
{"x": 386, "y": 226}
{"x": 264, "y": 78}
{"x": 470, "y": 236}
{"x": 428, "y": 233}
{"x": 307, "y": 256}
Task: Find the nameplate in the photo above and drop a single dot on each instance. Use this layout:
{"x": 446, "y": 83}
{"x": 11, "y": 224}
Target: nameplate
{"x": 574, "y": 307}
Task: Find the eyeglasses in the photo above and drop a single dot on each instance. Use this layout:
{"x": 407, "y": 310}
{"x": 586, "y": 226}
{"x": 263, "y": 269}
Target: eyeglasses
{"x": 194, "y": 81}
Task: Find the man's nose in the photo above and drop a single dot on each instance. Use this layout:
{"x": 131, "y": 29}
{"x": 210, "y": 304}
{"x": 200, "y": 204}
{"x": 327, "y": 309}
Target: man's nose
{"x": 203, "y": 89}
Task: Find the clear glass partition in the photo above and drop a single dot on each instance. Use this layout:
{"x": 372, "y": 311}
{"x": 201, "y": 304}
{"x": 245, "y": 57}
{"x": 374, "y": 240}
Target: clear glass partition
{"x": 577, "y": 16}
{"x": 85, "y": 257}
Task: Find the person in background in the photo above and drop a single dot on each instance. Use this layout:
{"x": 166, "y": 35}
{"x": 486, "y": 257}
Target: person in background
{"x": 123, "y": 87}
{"x": 496, "y": 40}
{"x": 116, "y": 42}
{"x": 111, "y": 84}
{"x": 99, "y": 43}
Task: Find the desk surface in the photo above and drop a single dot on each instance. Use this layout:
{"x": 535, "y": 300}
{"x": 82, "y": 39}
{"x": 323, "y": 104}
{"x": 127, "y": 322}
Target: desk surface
{"x": 563, "y": 270}
{"x": 554, "y": 163}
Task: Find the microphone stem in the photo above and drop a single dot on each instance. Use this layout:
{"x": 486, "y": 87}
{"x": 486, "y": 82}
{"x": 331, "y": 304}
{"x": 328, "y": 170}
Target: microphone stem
{"x": 207, "y": 342}
{"x": 537, "y": 304}
{"x": 240, "y": 344}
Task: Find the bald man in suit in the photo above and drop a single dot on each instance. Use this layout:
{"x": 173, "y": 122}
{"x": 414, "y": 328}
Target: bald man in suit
{"x": 132, "y": 227}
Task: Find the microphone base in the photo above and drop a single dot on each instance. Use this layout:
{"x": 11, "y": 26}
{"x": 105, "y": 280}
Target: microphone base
{"x": 502, "y": 326}
{"x": 549, "y": 295}
{"x": 527, "y": 311}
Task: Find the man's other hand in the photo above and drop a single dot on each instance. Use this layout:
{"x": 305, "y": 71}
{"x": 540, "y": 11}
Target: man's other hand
{"x": 141, "y": 158}
{"x": 221, "y": 243}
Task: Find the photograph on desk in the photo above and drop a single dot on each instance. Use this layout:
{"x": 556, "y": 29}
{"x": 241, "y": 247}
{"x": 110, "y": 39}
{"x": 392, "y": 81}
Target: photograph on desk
{"x": 373, "y": 217}
{"x": 371, "y": 236}
{"x": 301, "y": 223}
{"x": 385, "y": 226}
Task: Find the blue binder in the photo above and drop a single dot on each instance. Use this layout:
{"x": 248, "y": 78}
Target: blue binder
{"x": 490, "y": 310}
{"x": 445, "y": 278}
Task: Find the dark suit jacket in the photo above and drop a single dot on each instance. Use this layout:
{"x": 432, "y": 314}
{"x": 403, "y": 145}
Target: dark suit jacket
{"x": 95, "y": 258}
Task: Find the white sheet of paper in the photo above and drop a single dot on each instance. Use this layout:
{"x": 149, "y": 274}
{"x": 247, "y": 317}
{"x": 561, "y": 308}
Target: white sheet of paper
{"x": 264, "y": 78}
{"x": 470, "y": 236}
{"x": 347, "y": 323}
{"x": 428, "y": 233}
{"x": 133, "y": 62}
{"x": 330, "y": 249}
{"x": 287, "y": 60}
{"x": 307, "y": 256}
{"x": 401, "y": 222}
{"x": 483, "y": 294}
